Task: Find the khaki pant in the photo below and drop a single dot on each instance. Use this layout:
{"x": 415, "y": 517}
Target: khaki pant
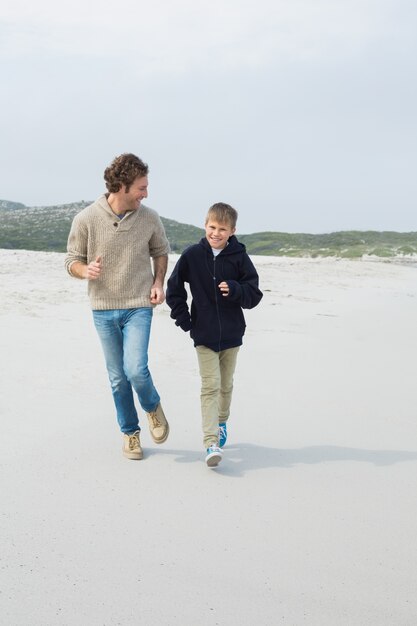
{"x": 216, "y": 371}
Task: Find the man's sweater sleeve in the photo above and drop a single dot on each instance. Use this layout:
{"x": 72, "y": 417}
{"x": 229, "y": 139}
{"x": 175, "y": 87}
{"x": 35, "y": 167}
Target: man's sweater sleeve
{"x": 158, "y": 245}
{"x": 77, "y": 244}
{"x": 176, "y": 295}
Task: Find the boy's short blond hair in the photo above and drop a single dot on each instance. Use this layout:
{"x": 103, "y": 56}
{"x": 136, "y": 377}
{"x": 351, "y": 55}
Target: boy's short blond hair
{"x": 222, "y": 213}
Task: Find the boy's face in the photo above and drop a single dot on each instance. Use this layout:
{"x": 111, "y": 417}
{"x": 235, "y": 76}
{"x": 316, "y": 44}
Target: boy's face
{"x": 217, "y": 234}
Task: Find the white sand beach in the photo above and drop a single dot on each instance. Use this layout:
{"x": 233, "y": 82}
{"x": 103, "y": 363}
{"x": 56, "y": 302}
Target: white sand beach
{"x": 311, "y": 516}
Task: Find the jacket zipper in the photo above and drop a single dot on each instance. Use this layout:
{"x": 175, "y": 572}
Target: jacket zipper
{"x": 217, "y": 302}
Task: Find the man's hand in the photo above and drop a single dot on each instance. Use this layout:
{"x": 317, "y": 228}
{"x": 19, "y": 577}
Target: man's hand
{"x": 157, "y": 294}
{"x": 94, "y": 269}
{"x": 84, "y": 271}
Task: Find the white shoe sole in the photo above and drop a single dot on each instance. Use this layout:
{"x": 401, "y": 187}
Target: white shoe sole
{"x": 164, "y": 438}
{"x": 135, "y": 456}
{"x": 213, "y": 459}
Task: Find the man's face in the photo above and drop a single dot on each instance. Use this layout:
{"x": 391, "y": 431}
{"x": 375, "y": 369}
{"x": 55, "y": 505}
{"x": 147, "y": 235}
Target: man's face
{"x": 217, "y": 234}
{"x": 137, "y": 192}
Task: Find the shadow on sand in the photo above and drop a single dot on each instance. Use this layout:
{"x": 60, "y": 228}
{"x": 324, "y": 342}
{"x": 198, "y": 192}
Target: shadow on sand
{"x": 243, "y": 457}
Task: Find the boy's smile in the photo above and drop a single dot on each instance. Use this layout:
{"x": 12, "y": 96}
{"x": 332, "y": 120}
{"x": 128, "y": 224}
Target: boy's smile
{"x": 218, "y": 234}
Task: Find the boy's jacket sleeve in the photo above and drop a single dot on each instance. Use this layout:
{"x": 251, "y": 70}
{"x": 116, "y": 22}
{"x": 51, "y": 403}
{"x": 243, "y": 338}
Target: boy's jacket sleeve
{"x": 176, "y": 295}
{"x": 246, "y": 291}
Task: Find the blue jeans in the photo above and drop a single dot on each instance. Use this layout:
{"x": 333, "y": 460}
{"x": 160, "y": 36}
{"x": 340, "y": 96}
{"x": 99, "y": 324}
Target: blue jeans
{"x": 124, "y": 336}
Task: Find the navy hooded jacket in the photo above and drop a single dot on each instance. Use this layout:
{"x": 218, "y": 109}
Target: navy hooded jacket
{"x": 214, "y": 321}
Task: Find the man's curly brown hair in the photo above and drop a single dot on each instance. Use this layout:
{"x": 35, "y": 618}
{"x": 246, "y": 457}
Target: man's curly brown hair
{"x": 124, "y": 170}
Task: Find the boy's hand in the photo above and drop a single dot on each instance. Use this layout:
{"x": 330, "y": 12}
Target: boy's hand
{"x": 224, "y": 288}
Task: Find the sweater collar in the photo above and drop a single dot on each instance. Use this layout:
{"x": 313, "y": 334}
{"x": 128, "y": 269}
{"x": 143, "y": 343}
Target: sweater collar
{"x": 111, "y": 218}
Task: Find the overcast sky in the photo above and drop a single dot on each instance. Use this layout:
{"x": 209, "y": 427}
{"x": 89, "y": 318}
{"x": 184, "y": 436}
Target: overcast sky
{"x": 300, "y": 113}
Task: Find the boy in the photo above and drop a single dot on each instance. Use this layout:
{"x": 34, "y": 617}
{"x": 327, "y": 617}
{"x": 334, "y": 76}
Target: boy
{"x": 222, "y": 280}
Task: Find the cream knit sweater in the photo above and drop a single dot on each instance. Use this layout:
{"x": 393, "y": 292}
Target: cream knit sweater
{"x": 126, "y": 247}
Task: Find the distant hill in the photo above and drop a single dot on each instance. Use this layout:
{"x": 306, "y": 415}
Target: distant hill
{"x": 5, "y": 204}
{"x": 47, "y": 228}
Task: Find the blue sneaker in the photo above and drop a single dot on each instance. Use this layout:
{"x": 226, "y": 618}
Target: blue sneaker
{"x": 222, "y": 434}
{"x": 214, "y": 456}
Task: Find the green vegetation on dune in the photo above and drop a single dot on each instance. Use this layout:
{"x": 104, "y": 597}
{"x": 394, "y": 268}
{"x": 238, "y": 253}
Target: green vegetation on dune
{"x": 344, "y": 244}
{"x": 37, "y": 228}
{"x": 47, "y": 228}
{"x": 181, "y": 236}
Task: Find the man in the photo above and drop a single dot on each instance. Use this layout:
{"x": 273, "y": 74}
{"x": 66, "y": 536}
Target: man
{"x": 111, "y": 244}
